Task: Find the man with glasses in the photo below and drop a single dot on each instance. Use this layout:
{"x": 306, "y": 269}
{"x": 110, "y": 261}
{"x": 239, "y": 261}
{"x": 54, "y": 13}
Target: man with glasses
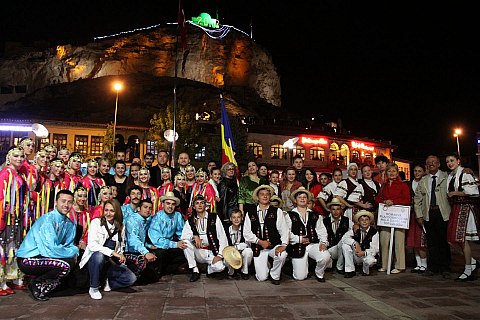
{"x": 228, "y": 193}
{"x": 432, "y": 210}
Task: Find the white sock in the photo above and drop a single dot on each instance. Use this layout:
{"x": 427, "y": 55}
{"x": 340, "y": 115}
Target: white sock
{"x": 468, "y": 269}
{"x": 473, "y": 263}
{"x": 419, "y": 263}
{"x": 423, "y": 262}
{"x": 195, "y": 269}
{"x": 18, "y": 282}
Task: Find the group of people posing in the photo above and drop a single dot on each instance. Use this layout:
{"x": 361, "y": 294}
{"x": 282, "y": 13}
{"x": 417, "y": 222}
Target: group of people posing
{"x": 114, "y": 227}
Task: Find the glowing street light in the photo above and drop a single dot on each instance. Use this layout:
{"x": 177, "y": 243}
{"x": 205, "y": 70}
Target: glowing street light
{"x": 117, "y": 86}
{"x": 457, "y": 133}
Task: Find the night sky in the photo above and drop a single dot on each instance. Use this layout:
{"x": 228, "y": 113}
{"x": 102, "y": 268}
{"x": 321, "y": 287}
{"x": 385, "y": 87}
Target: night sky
{"x": 402, "y": 71}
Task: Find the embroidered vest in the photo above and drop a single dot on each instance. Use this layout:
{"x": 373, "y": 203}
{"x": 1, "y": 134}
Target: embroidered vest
{"x": 242, "y": 239}
{"x": 297, "y": 250}
{"x": 211, "y": 231}
{"x": 365, "y": 244}
{"x": 334, "y": 238}
{"x": 270, "y": 231}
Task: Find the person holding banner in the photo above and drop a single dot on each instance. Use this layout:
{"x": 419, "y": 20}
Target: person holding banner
{"x": 393, "y": 192}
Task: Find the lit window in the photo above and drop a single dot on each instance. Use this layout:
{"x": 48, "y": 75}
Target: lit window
{"x": 317, "y": 153}
{"x": 256, "y": 149}
{"x": 278, "y": 151}
{"x": 151, "y": 147}
{"x": 97, "y": 146}
{"x": 59, "y": 140}
{"x": 200, "y": 154}
{"x": 300, "y": 151}
{"x": 81, "y": 144}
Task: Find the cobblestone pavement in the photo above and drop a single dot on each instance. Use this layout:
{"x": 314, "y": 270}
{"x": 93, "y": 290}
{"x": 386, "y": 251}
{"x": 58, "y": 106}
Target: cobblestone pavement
{"x": 379, "y": 296}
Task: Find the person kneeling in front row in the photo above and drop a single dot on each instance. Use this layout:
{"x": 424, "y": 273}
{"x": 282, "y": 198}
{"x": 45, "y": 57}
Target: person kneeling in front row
{"x": 104, "y": 252}
{"x": 360, "y": 245}
{"x": 205, "y": 238}
{"x": 48, "y": 253}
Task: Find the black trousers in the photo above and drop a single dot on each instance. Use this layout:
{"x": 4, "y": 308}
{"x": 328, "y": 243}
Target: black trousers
{"x": 168, "y": 260}
{"x": 439, "y": 256}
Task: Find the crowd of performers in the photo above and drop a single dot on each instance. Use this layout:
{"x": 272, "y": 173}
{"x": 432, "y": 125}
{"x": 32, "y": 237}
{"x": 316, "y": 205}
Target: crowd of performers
{"x": 65, "y": 221}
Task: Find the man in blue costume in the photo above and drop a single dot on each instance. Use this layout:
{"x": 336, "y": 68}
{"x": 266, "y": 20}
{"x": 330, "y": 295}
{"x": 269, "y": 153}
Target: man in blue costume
{"x": 164, "y": 233}
{"x": 48, "y": 252}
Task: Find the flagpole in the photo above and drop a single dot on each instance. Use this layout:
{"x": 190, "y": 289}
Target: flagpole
{"x": 174, "y": 143}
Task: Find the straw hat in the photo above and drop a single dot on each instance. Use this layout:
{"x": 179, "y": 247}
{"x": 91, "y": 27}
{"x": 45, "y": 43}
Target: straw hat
{"x": 262, "y": 187}
{"x": 336, "y": 202}
{"x": 170, "y": 196}
{"x": 233, "y": 257}
{"x": 294, "y": 194}
{"x": 278, "y": 199}
{"x": 363, "y": 213}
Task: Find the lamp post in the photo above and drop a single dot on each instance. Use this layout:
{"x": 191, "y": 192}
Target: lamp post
{"x": 290, "y": 144}
{"x": 117, "y": 86}
{"x": 457, "y": 133}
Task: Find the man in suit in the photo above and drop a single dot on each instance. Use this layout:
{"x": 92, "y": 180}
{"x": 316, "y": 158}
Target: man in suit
{"x": 432, "y": 210}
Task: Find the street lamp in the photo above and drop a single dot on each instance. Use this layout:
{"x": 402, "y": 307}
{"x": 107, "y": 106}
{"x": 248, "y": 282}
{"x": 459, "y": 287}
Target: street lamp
{"x": 117, "y": 86}
{"x": 290, "y": 143}
{"x": 457, "y": 133}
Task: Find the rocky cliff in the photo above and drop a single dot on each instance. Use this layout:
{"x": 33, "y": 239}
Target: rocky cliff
{"x": 234, "y": 63}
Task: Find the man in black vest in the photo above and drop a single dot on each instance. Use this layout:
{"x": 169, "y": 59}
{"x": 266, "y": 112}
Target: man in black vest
{"x": 361, "y": 245}
{"x": 337, "y": 225}
{"x": 267, "y": 232}
{"x": 308, "y": 237}
{"x": 205, "y": 238}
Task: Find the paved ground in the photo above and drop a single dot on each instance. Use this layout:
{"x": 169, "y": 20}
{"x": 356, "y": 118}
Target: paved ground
{"x": 379, "y": 296}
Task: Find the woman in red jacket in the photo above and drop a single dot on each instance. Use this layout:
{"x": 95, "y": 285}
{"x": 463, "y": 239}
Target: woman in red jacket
{"x": 393, "y": 192}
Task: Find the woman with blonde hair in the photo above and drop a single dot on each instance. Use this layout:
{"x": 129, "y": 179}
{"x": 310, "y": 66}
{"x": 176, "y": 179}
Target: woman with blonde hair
{"x": 393, "y": 192}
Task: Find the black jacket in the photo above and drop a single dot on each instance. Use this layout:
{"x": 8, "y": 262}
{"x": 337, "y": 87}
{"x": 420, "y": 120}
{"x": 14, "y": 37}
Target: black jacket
{"x": 228, "y": 193}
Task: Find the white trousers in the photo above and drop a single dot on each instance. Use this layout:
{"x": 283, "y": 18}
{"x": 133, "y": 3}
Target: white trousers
{"x": 247, "y": 256}
{"x": 261, "y": 264}
{"x": 195, "y": 255}
{"x": 300, "y": 265}
{"x": 337, "y": 253}
{"x": 351, "y": 259}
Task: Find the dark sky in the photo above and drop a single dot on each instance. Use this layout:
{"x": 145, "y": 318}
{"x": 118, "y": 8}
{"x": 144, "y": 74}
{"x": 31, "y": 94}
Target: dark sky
{"x": 402, "y": 71}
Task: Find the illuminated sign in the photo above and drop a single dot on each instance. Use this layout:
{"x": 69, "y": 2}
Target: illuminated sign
{"x": 205, "y": 20}
{"x": 361, "y": 145}
{"x": 313, "y": 140}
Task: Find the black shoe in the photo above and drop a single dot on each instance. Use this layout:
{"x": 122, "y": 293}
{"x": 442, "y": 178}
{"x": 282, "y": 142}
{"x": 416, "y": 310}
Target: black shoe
{"x": 446, "y": 275}
{"x": 36, "y": 294}
{"x": 340, "y": 271}
{"x": 234, "y": 276}
{"x": 415, "y": 270}
{"x": 320, "y": 279}
{"x": 468, "y": 278}
{"x": 428, "y": 273}
{"x": 194, "y": 277}
{"x": 211, "y": 275}
{"x": 275, "y": 282}
{"x": 245, "y": 276}
{"x": 365, "y": 274}
{"x": 349, "y": 274}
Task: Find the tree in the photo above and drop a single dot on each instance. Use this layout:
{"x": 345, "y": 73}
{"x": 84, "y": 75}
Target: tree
{"x": 108, "y": 142}
{"x": 187, "y": 128}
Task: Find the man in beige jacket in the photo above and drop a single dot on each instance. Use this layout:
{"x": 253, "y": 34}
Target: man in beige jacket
{"x": 432, "y": 210}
